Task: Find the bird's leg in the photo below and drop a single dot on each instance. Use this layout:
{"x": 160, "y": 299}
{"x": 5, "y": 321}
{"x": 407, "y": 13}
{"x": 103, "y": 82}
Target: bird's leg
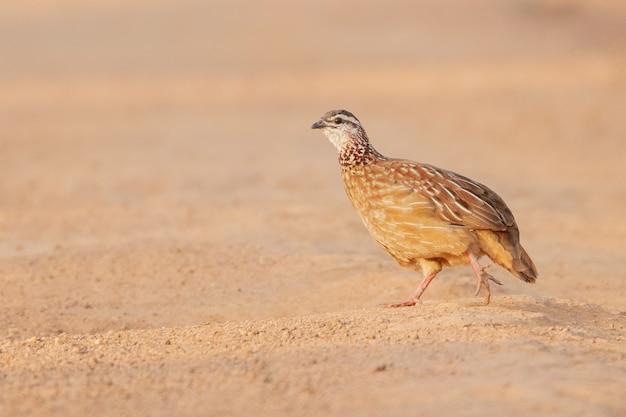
{"x": 430, "y": 268}
{"x": 417, "y": 294}
{"x": 482, "y": 276}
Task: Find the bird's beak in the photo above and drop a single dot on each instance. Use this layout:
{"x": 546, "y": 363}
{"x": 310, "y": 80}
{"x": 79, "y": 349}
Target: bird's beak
{"x": 318, "y": 125}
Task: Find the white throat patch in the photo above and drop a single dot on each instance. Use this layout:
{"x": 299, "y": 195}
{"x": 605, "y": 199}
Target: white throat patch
{"x": 337, "y": 137}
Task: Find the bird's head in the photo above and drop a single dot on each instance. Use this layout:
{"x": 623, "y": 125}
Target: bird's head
{"x": 340, "y": 126}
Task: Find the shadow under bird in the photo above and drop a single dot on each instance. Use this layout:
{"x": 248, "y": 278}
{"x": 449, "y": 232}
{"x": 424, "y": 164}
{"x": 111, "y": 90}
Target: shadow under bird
{"x": 427, "y": 218}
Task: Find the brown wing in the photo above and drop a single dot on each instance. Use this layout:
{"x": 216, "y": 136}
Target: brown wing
{"x": 456, "y": 199}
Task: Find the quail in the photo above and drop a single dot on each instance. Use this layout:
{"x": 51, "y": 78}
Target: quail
{"x": 427, "y": 218}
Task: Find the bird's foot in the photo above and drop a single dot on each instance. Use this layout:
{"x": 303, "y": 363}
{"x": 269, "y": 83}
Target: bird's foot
{"x": 490, "y": 277}
{"x": 408, "y": 303}
{"x": 415, "y": 298}
{"x": 482, "y": 278}
{"x": 484, "y": 283}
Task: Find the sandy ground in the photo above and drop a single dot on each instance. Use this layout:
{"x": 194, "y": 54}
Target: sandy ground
{"x": 175, "y": 241}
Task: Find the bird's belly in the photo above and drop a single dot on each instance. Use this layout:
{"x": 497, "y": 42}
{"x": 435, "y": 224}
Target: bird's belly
{"x": 405, "y": 222}
{"x": 415, "y": 239}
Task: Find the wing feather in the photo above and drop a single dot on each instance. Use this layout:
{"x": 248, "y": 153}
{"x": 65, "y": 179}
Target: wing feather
{"x": 452, "y": 198}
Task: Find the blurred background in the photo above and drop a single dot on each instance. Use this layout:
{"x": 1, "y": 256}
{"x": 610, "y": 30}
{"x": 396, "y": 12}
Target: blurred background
{"x": 158, "y": 168}
{"x": 175, "y": 240}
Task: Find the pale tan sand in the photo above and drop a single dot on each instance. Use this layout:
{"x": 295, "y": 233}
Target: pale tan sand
{"x": 175, "y": 241}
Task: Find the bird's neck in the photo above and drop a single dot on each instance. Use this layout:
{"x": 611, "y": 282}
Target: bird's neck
{"x": 356, "y": 150}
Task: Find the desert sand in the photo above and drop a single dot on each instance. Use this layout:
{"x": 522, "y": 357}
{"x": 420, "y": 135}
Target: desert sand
{"x": 175, "y": 241}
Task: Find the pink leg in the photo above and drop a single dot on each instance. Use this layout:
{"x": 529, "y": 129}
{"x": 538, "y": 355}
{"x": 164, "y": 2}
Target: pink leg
{"x": 483, "y": 278}
{"x": 415, "y": 297}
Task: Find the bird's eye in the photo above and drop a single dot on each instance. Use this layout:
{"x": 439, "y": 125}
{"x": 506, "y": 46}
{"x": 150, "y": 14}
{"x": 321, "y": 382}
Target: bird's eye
{"x": 338, "y": 120}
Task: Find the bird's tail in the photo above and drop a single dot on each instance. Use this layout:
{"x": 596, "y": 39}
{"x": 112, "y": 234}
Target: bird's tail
{"x": 504, "y": 249}
{"x": 524, "y": 267}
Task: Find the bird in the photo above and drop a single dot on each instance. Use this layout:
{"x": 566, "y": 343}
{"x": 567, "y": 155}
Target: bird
{"x": 427, "y": 218}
